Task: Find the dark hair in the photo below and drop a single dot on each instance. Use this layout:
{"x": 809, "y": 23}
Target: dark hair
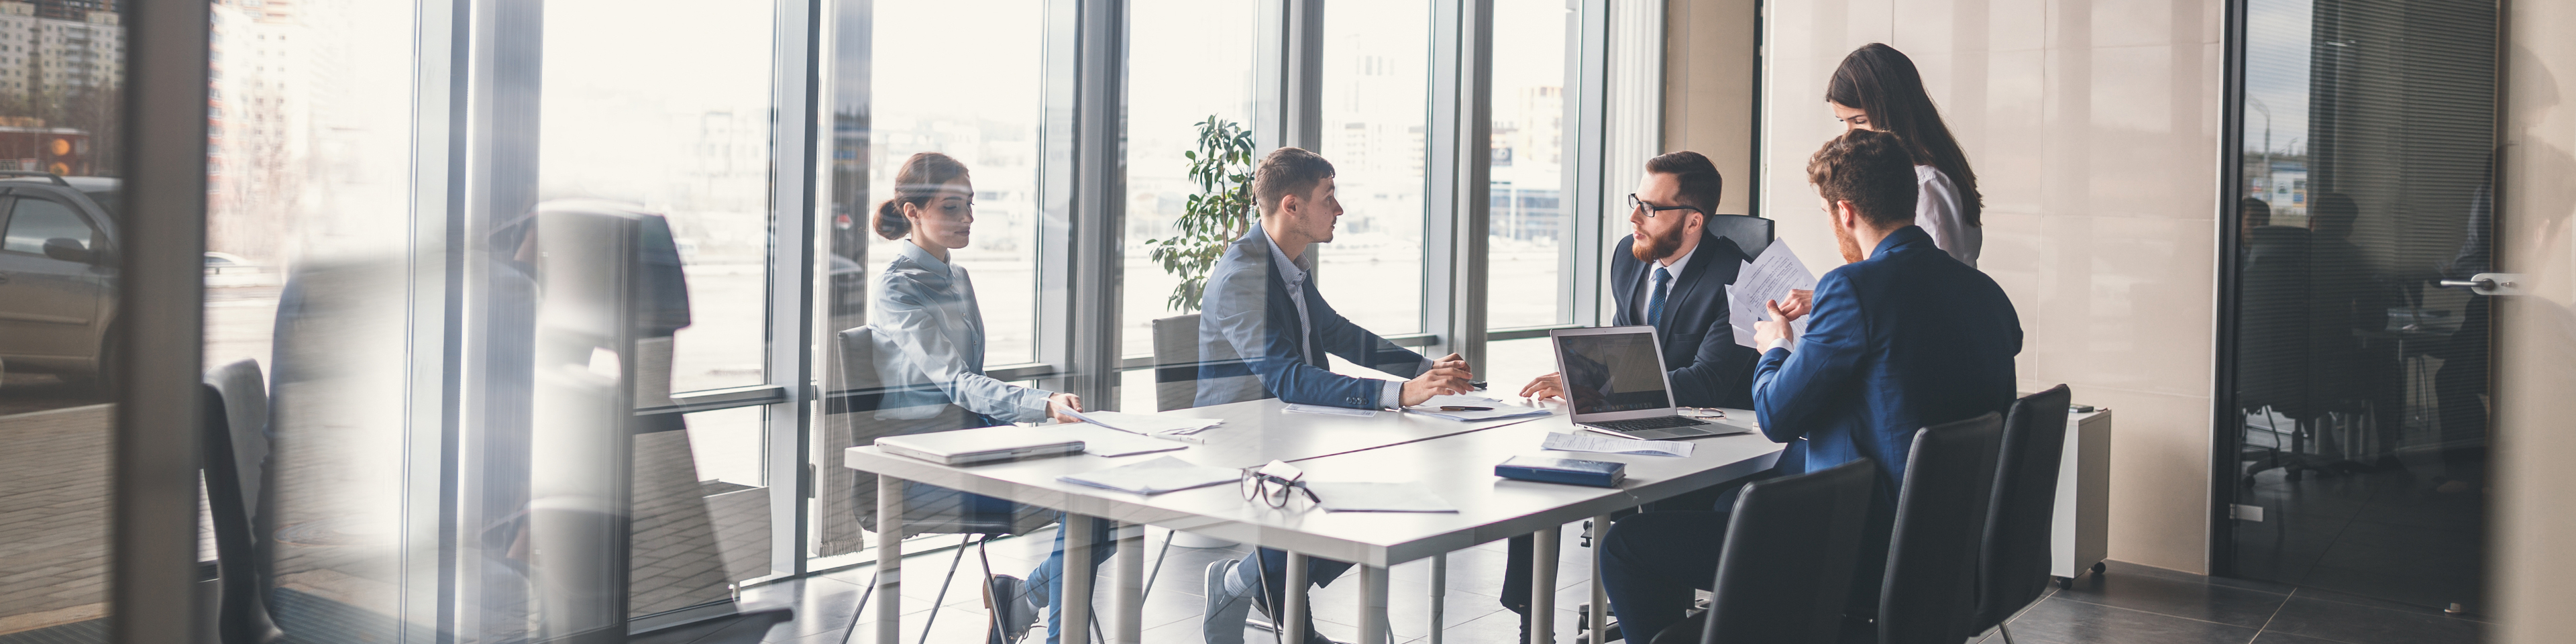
{"x": 1881, "y": 82}
{"x": 920, "y": 179}
{"x": 1287, "y": 170}
{"x": 1871, "y": 170}
{"x": 2333, "y": 213}
{"x": 1701, "y": 186}
{"x": 2255, "y": 212}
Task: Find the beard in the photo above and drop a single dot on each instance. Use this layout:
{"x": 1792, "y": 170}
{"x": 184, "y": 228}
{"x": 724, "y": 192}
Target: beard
{"x": 1650, "y": 246}
{"x": 1849, "y": 245}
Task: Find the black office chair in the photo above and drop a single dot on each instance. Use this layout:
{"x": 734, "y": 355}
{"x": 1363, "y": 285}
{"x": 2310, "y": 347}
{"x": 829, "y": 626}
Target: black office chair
{"x": 1178, "y": 369}
{"x": 2015, "y": 553}
{"x": 1785, "y": 573}
{"x": 2273, "y": 360}
{"x": 232, "y": 434}
{"x": 1750, "y": 233}
{"x": 1929, "y": 592}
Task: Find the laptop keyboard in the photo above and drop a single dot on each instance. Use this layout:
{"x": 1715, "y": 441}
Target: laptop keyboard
{"x": 1642, "y": 424}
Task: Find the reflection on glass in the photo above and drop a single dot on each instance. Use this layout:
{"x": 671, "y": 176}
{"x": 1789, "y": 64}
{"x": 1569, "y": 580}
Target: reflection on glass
{"x": 1527, "y": 221}
{"x": 1178, "y": 74}
{"x": 1376, "y": 116}
{"x": 2367, "y": 153}
{"x": 682, "y": 131}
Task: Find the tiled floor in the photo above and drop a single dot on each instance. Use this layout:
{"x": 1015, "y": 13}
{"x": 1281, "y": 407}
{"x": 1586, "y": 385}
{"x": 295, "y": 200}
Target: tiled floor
{"x": 2128, "y": 605}
{"x": 2383, "y": 532}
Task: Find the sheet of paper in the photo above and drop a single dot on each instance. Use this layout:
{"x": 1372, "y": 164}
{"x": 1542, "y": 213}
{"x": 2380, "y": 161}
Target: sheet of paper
{"x": 1599, "y": 444}
{"x": 1379, "y": 497}
{"x": 1111, "y": 443}
{"x": 1499, "y": 410}
{"x": 1769, "y": 277}
{"x": 1148, "y": 424}
{"x": 1329, "y": 410}
{"x": 1163, "y": 474}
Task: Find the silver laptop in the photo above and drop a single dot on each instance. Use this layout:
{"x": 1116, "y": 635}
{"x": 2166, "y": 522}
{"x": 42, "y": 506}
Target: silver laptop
{"x": 983, "y": 445}
{"x": 1616, "y": 383}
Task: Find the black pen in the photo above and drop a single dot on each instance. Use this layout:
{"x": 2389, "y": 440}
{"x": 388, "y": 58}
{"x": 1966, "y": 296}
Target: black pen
{"x": 1464, "y": 408}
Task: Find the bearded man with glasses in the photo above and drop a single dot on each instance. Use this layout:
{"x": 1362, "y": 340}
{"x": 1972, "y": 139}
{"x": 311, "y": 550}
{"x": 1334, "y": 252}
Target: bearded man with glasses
{"x": 1672, "y": 273}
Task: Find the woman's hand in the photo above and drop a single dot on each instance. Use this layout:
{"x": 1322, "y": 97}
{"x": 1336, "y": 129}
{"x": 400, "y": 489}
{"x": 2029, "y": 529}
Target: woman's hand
{"x": 1058, "y": 405}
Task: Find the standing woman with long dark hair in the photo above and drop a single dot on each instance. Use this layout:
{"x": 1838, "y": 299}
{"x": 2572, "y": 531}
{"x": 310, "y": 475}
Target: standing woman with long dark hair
{"x": 1877, "y": 88}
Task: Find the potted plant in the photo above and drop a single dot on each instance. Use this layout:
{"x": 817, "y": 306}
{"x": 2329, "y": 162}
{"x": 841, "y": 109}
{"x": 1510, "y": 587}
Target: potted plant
{"x": 1221, "y": 211}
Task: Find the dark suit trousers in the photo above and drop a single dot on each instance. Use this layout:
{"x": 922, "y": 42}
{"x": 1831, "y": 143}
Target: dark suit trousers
{"x": 1274, "y": 576}
{"x": 1650, "y": 562}
{"x": 1517, "y": 568}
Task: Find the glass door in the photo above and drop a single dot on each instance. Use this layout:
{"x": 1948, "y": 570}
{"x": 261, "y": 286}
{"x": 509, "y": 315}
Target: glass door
{"x": 2357, "y": 353}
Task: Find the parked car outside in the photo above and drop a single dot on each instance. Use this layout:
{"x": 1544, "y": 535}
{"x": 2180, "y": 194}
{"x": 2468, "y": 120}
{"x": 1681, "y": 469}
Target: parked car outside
{"x": 58, "y": 266}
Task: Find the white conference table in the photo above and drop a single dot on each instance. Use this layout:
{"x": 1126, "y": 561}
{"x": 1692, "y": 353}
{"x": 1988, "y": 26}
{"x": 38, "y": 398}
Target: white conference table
{"x": 1455, "y": 459}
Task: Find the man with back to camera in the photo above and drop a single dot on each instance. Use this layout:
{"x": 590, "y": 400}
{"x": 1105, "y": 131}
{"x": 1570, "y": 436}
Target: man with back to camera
{"x": 1265, "y": 331}
{"x": 1670, "y": 272}
{"x": 1903, "y": 337}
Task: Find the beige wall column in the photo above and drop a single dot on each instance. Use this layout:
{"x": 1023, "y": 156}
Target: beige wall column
{"x": 1711, "y": 64}
{"x": 2536, "y": 333}
{"x": 2093, "y": 129}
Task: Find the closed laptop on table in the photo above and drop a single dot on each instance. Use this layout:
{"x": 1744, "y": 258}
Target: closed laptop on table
{"x": 982, "y": 445}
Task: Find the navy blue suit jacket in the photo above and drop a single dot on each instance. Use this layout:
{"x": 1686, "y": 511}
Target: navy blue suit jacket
{"x": 1708, "y": 368}
{"x": 1906, "y": 339}
{"x": 1248, "y": 326}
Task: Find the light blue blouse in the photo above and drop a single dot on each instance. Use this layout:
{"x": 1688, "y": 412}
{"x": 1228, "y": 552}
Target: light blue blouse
{"x": 927, "y": 308}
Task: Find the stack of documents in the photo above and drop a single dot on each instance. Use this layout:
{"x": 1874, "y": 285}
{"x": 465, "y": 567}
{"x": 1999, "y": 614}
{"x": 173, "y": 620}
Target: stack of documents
{"x": 1155, "y": 425}
{"x": 1378, "y": 497}
{"x": 1491, "y": 409}
{"x": 1599, "y": 444}
{"x": 1164, "y": 474}
{"x": 1769, "y": 277}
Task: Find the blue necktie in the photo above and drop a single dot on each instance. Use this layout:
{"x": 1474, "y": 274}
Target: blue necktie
{"x": 1655, "y": 301}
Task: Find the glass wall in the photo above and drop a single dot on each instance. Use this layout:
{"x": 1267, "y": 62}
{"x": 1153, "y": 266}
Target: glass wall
{"x": 1531, "y": 215}
{"x": 1376, "y": 96}
{"x": 1180, "y": 73}
{"x": 2365, "y": 205}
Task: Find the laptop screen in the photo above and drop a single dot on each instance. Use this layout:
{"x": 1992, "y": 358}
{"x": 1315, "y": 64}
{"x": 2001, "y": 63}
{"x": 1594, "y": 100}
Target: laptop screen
{"x": 1612, "y": 372}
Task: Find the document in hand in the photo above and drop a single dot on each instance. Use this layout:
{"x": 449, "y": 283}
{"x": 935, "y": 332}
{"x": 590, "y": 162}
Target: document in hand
{"x": 1492, "y": 409}
{"x": 1769, "y": 277}
{"x": 1163, "y": 474}
{"x": 1599, "y": 444}
{"x": 1147, "y": 424}
{"x": 1378, "y": 497}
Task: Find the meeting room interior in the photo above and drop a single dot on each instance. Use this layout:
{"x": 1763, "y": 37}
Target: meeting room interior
{"x": 1287, "y": 321}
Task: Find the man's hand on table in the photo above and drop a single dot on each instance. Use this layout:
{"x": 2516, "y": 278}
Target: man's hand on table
{"x": 1448, "y": 375}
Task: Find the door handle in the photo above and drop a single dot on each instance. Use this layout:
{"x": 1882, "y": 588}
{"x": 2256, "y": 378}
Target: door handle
{"x": 2489, "y": 283}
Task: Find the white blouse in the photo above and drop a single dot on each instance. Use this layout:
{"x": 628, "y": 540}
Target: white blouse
{"x": 1937, "y": 210}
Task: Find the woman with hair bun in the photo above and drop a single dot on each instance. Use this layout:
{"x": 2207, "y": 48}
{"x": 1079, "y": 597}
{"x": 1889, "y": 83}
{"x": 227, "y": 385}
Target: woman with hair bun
{"x": 1877, "y": 88}
{"x": 926, "y": 306}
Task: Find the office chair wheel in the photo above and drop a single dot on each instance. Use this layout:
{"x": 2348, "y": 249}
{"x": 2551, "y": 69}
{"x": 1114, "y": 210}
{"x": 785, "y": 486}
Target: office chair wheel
{"x": 2097, "y": 569}
{"x": 2064, "y": 583}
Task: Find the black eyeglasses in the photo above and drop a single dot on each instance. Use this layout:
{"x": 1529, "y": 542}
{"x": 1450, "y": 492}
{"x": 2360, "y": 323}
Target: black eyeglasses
{"x": 1635, "y": 204}
{"x": 1274, "y": 484}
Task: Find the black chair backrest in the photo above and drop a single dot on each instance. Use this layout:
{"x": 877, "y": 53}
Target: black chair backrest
{"x": 1176, "y": 361}
{"x": 883, "y": 400}
{"x": 1750, "y": 233}
{"x": 1931, "y": 580}
{"x": 2015, "y": 555}
{"x": 242, "y": 615}
{"x": 1791, "y": 543}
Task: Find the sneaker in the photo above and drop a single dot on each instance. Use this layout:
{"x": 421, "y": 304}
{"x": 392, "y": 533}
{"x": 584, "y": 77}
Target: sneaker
{"x": 1223, "y": 621}
{"x": 1011, "y": 619}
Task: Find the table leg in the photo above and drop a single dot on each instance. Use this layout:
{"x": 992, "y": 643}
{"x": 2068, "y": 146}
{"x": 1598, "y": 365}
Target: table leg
{"x": 1372, "y": 605}
{"x": 1292, "y": 625}
{"x": 1131, "y": 585}
{"x": 1599, "y": 616}
{"x": 1439, "y": 595}
{"x": 1075, "y": 615}
{"x": 1542, "y": 606}
{"x": 889, "y": 590}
